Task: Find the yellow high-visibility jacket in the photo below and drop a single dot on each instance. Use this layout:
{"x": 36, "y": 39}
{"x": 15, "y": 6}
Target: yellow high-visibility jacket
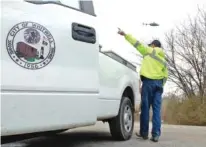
{"x": 154, "y": 63}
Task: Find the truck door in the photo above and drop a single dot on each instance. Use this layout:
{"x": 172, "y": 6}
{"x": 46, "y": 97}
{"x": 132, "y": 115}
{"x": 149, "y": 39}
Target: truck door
{"x": 49, "y": 64}
{"x": 50, "y": 46}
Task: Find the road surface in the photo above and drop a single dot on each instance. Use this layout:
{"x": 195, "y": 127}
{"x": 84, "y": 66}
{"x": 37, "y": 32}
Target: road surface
{"x": 99, "y": 136}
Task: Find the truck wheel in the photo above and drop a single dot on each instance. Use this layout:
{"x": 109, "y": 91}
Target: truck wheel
{"x": 121, "y": 127}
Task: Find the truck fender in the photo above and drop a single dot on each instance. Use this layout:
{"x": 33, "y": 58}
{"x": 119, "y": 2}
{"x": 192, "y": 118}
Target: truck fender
{"x": 127, "y": 90}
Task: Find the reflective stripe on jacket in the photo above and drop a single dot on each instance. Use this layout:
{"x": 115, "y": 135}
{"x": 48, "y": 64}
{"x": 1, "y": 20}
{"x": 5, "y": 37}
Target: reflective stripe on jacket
{"x": 154, "y": 63}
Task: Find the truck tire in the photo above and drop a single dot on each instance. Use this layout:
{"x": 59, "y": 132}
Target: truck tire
{"x": 121, "y": 127}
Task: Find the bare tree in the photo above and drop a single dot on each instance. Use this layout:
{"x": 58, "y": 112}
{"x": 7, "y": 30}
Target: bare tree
{"x": 186, "y": 55}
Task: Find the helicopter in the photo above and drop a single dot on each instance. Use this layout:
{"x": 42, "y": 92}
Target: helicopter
{"x": 154, "y": 24}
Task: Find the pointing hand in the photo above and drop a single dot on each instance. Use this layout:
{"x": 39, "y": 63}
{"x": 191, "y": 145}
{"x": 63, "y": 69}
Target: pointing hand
{"x": 121, "y": 32}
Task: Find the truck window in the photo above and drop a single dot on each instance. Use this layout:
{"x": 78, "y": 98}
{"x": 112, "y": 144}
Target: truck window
{"x": 79, "y": 5}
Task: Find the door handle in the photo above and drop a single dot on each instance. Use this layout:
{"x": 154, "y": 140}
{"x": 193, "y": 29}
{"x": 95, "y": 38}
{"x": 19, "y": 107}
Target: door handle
{"x": 83, "y": 33}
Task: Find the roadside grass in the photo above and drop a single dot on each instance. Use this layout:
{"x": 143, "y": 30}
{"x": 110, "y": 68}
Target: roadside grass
{"x": 190, "y": 111}
{"x": 178, "y": 111}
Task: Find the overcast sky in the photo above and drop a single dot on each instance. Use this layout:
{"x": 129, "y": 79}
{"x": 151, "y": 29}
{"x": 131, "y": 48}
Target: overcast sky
{"x": 130, "y": 14}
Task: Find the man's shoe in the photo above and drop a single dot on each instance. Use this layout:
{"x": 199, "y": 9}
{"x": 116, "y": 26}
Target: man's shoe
{"x": 144, "y": 137}
{"x": 155, "y": 139}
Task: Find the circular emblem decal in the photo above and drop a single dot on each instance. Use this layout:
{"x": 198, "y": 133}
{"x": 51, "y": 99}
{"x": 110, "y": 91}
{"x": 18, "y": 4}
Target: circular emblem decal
{"x": 30, "y": 45}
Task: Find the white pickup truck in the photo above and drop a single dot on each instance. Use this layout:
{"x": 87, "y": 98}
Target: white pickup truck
{"x": 54, "y": 75}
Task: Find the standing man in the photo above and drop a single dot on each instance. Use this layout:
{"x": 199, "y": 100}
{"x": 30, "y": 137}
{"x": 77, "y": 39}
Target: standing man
{"x": 153, "y": 75}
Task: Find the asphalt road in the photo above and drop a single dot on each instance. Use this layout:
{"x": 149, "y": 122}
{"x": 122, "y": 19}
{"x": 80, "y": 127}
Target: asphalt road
{"x": 99, "y": 136}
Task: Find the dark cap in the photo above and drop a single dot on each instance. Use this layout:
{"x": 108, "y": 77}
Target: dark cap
{"x": 156, "y": 43}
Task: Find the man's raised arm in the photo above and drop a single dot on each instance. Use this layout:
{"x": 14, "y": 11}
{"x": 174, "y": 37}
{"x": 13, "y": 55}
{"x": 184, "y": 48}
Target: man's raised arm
{"x": 134, "y": 42}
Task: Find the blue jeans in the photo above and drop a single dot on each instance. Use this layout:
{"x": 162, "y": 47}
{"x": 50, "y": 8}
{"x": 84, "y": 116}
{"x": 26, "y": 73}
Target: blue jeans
{"x": 151, "y": 96}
